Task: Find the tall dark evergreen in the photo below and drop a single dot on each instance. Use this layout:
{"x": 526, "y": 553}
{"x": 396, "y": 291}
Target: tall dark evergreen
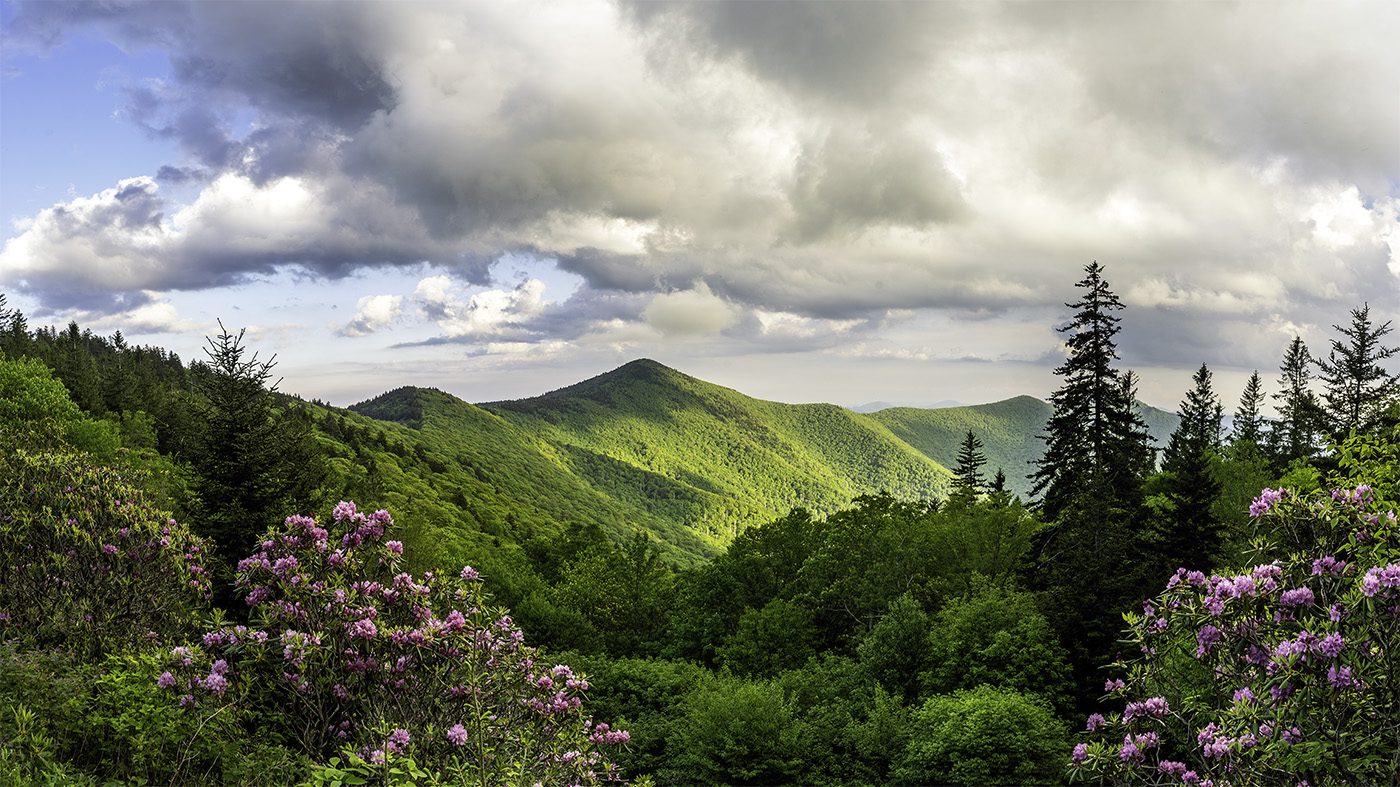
{"x": 1358, "y": 389}
{"x": 1189, "y": 533}
{"x": 967, "y": 477}
{"x": 1294, "y": 436}
{"x": 1088, "y": 566}
{"x": 1094, "y": 427}
{"x": 253, "y": 462}
{"x": 1249, "y": 417}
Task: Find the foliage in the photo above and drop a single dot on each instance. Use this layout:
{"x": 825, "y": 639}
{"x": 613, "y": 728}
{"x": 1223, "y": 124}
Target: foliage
{"x": 358, "y": 655}
{"x": 85, "y": 563}
{"x": 1093, "y": 439}
{"x": 735, "y": 732}
{"x": 995, "y": 636}
{"x": 1186, "y": 525}
{"x": 1089, "y": 558}
{"x": 1250, "y": 424}
{"x": 1293, "y": 437}
{"x": 967, "y": 475}
{"x": 1281, "y": 672}
{"x": 983, "y": 736}
{"x": 251, "y": 460}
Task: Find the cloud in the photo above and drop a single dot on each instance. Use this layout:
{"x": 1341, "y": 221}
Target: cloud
{"x": 372, "y": 313}
{"x": 690, "y": 313}
{"x": 700, "y": 163}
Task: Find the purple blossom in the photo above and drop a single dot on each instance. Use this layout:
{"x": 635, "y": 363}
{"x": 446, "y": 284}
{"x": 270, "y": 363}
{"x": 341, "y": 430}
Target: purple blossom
{"x": 166, "y": 680}
{"x": 1331, "y": 645}
{"x": 1081, "y": 753}
{"x": 469, "y": 573}
{"x": 1298, "y": 597}
{"x": 1095, "y": 721}
{"x": 457, "y": 735}
{"x": 1341, "y": 678}
{"x": 1328, "y": 565}
{"x": 1265, "y": 501}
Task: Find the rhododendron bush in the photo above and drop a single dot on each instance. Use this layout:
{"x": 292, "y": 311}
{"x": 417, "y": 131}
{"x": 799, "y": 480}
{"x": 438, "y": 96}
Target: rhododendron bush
{"x": 86, "y": 564}
{"x": 1282, "y": 673}
{"x": 358, "y": 657}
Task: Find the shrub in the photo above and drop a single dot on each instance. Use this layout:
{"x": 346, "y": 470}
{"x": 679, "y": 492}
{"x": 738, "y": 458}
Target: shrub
{"x": 85, "y": 563}
{"x": 983, "y": 736}
{"x": 1283, "y": 672}
{"x": 363, "y": 660}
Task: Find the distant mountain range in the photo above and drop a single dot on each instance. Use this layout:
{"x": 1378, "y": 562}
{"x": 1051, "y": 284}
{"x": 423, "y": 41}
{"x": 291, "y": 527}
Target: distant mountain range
{"x": 693, "y": 463}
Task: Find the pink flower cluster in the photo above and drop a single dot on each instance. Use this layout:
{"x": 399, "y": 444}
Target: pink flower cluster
{"x": 361, "y": 646}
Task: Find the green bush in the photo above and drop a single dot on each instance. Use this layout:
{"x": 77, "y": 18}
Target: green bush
{"x": 85, "y": 564}
{"x": 984, "y": 736}
{"x": 735, "y": 732}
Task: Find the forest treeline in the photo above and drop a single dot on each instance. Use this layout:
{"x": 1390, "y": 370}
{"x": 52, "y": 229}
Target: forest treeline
{"x": 896, "y": 639}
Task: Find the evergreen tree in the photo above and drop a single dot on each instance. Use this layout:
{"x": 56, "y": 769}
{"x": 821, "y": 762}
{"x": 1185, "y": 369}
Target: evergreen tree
{"x": 1095, "y": 443}
{"x": 1188, "y": 530}
{"x": 1249, "y": 420}
{"x": 1358, "y": 390}
{"x": 1088, "y": 566}
{"x": 1295, "y": 434}
{"x": 967, "y": 477}
{"x": 253, "y": 462}
{"x": 998, "y": 487}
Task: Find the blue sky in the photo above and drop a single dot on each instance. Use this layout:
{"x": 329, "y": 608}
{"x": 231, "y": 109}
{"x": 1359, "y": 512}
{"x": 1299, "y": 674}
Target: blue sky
{"x": 828, "y": 201}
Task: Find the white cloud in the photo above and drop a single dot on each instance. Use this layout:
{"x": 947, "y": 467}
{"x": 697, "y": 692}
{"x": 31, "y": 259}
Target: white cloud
{"x": 373, "y": 313}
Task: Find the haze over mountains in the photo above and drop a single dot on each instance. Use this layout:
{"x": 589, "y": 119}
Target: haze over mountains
{"x": 692, "y": 463}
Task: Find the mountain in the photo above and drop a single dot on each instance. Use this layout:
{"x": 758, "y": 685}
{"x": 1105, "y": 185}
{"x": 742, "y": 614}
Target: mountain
{"x": 741, "y": 460}
{"x": 693, "y": 464}
{"x": 1008, "y": 430}
{"x": 875, "y": 407}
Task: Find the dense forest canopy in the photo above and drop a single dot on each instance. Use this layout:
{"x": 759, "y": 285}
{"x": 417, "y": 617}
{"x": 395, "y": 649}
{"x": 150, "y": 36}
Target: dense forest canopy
{"x": 758, "y": 593}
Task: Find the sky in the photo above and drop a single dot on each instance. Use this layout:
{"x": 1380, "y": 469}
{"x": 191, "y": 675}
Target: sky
{"x": 831, "y": 201}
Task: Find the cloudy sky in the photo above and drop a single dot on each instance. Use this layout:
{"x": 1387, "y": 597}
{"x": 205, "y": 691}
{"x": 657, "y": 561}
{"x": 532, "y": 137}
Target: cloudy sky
{"x": 825, "y": 201}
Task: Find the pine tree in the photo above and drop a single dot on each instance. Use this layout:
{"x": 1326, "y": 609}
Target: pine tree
{"x": 1094, "y": 439}
{"x": 967, "y": 477}
{"x": 1188, "y": 530}
{"x": 253, "y": 461}
{"x": 1358, "y": 389}
{"x": 1088, "y": 565}
{"x": 1249, "y": 420}
{"x": 1295, "y": 434}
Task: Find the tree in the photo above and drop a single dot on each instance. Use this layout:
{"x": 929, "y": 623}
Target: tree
{"x": 1097, "y": 452}
{"x": 1092, "y": 427}
{"x": 1295, "y": 434}
{"x": 1249, "y": 421}
{"x": 967, "y": 477}
{"x": 1279, "y": 673}
{"x": 1187, "y": 526}
{"x": 252, "y": 460}
{"x": 1358, "y": 389}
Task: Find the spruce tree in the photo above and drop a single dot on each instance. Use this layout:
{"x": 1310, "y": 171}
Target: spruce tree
{"x": 1094, "y": 439}
{"x": 967, "y": 477}
{"x": 254, "y": 463}
{"x": 1358, "y": 390}
{"x": 1294, "y": 436}
{"x": 1189, "y": 532}
{"x": 1249, "y": 420}
{"x": 1088, "y": 567}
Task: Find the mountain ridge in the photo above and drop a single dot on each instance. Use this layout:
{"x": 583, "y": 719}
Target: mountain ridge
{"x": 694, "y": 463}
